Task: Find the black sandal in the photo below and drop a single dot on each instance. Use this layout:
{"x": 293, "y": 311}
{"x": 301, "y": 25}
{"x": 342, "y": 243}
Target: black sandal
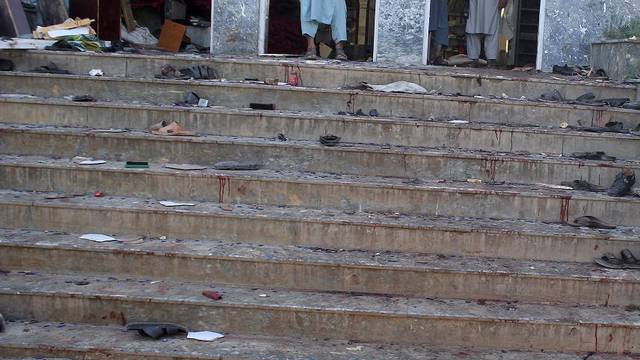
{"x": 609, "y": 261}
{"x": 156, "y": 330}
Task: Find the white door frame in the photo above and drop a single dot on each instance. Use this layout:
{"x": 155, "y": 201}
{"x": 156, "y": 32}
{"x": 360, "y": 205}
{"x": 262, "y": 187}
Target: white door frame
{"x": 541, "y": 24}
{"x": 425, "y": 34}
{"x": 263, "y": 27}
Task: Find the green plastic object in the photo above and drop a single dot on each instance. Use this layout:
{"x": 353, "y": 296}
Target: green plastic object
{"x": 136, "y": 165}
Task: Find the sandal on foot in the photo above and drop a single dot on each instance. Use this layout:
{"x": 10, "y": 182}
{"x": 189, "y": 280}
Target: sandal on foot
{"x": 590, "y": 222}
{"x": 609, "y": 261}
{"x": 341, "y": 55}
{"x": 311, "y": 54}
{"x": 156, "y": 330}
{"x": 173, "y": 129}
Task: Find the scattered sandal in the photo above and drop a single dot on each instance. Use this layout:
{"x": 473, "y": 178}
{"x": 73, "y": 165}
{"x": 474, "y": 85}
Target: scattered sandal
{"x": 172, "y": 129}
{"x": 156, "y": 330}
{"x": 583, "y": 185}
{"x": 626, "y": 261}
{"x": 329, "y": 140}
{"x": 593, "y": 155}
{"x": 236, "y": 165}
{"x": 590, "y": 222}
{"x": 341, "y": 55}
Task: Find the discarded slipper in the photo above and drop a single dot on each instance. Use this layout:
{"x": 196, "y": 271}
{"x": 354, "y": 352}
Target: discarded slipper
{"x": 553, "y": 95}
{"x": 632, "y": 105}
{"x": 173, "y": 129}
{"x": 609, "y": 261}
{"x": 158, "y": 126}
{"x": 191, "y": 99}
{"x": 235, "y": 165}
{"x": 629, "y": 261}
{"x": 51, "y": 68}
{"x": 583, "y": 185}
{"x": 623, "y": 183}
{"x": 213, "y": 295}
{"x": 616, "y": 102}
{"x": 329, "y": 140}
{"x": 83, "y": 98}
{"x": 156, "y": 330}
{"x": 590, "y": 222}
{"x": 593, "y": 155}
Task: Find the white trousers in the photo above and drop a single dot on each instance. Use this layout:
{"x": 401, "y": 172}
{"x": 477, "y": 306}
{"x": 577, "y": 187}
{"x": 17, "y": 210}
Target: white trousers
{"x": 491, "y": 45}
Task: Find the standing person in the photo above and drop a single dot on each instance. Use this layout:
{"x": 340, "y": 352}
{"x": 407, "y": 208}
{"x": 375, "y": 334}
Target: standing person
{"x": 439, "y": 30}
{"x": 484, "y": 24}
{"x": 330, "y": 12}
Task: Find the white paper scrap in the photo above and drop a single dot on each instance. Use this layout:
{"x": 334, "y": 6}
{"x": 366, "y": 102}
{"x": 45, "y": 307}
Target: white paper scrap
{"x": 174, "y": 204}
{"x": 204, "y": 336}
{"x": 97, "y": 237}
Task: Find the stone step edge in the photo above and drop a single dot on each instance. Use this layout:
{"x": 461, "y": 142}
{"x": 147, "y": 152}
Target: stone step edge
{"x": 541, "y": 191}
{"x": 351, "y": 92}
{"x": 52, "y": 339}
{"x": 312, "y": 256}
{"x": 306, "y": 144}
{"x": 239, "y": 297}
{"x": 311, "y": 116}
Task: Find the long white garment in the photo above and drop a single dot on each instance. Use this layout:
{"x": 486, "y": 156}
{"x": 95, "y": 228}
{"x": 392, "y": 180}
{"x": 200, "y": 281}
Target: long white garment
{"x": 330, "y": 12}
{"x": 491, "y": 45}
{"x": 484, "y": 17}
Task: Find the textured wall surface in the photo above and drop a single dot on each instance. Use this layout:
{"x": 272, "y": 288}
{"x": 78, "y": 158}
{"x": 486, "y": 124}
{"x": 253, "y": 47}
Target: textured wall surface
{"x": 400, "y": 30}
{"x": 235, "y": 27}
{"x": 571, "y": 27}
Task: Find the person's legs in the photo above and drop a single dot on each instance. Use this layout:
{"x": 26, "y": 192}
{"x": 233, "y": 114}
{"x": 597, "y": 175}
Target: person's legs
{"x": 474, "y": 42}
{"x": 491, "y": 46}
{"x": 309, "y": 30}
{"x": 339, "y": 28}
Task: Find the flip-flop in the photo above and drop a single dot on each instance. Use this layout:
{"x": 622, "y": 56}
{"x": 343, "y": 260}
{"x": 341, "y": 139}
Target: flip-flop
{"x": 593, "y": 155}
{"x": 330, "y": 140}
{"x": 235, "y": 165}
{"x": 156, "y": 330}
{"x": 629, "y": 260}
{"x": 590, "y": 222}
{"x": 311, "y": 54}
{"x": 609, "y": 261}
{"x": 173, "y": 129}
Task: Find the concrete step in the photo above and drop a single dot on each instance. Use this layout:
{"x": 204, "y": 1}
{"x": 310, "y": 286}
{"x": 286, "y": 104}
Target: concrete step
{"x": 325, "y": 74}
{"x": 256, "y": 311}
{"x": 310, "y": 126}
{"x": 317, "y": 190}
{"x": 314, "y": 269}
{"x": 79, "y": 341}
{"x": 309, "y": 156}
{"x": 325, "y": 228}
{"x": 240, "y": 95}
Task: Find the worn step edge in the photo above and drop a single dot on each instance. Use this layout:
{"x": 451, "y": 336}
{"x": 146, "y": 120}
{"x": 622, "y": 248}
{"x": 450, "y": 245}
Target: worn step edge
{"x": 309, "y": 126}
{"x": 357, "y": 159}
{"x": 234, "y": 94}
{"x": 304, "y": 268}
{"x": 80, "y": 341}
{"x": 317, "y": 190}
{"x": 320, "y": 314}
{"x": 322, "y": 228}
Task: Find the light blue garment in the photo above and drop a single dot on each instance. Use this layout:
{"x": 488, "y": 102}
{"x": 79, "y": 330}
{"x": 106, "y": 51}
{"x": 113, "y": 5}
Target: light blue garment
{"x": 439, "y": 21}
{"x": 330, "y": 12}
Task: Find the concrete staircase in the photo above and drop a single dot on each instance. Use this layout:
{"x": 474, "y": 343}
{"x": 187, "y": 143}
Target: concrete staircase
{"x": 378, "y": 248}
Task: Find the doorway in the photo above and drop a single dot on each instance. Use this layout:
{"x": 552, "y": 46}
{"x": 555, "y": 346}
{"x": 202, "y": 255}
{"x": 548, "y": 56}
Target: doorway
{"x": 284, "y": 34}
{"x": 518, "y": 34}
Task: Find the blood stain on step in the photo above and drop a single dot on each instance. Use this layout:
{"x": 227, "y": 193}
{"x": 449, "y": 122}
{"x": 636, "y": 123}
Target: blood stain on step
{"x": 564, "y": 209}
{"x": 224, "y": 183}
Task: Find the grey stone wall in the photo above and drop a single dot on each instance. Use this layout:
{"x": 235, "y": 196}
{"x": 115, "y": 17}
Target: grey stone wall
{"x": 235, "y": 27}
{"x": 400, "y": 30}
{"x": 571, "y": 27}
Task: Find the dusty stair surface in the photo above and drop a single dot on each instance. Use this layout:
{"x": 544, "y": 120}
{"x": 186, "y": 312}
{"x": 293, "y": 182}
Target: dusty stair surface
{"x": 417, "y": 231}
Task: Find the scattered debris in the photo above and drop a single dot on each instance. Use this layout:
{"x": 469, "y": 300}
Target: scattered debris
{"x": 213, "y": 295}
{"x": 156, "y": 330}
{"x": 185, "y": 167}
{"x": 474, "y": 181}
{"x": 2, "y": 325}
{"x": 460, "y": 122}
{"x": 135, "y": 239}
{"x": 200, "y": 72}
{"x": 6, "y": 65}
{"x": 62, "y": 196}
{"x": 330, "y": 140}
{"x": 591, "y": 222}
{"x": 356, "y": 348}
{"x": 632, "y": 308}
{"x": 282, "y": 137}
{"x": 203, "y": 103}
{"x": 109, "y": 131}
{"x": 593, "y": 155}
{"x": 374, "y": 113}
{"x": 97, "y": 237}
{"x": 399, "y": 87}
{"x": 632, "y": 105}
{"x": 136, "y": 165}
{"x": 236, "y": 165}
{"x": 51, "y": 68}
{"x": 80, "y": 160}
{"x": 626, "y": 261}
{"x": 68, "y": 28}
{"x": 96, "y": 72}
{"x": 271, "y": 81}
{"x": 81, "y": 283}
{"x": 175, "y": 204}
{"x": 552, "y": 186}
{"x": 622, "y": 184}
{"x": 172, "y": 129}
{"x": 583, "y": 185}
{"x": 140, "y": 36}
{"x": 204, "y": 336}
{"x": 191, "y": 99}
{"x": 564, "y": 125}
{"x": 171, "y": 36}
{"x": 552, "y": 96}
{"x": 565, "y": 70}
{"x": 256, "y": 106}
{"x": 98, "y": 194}
{"x": 81, "y": 98}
